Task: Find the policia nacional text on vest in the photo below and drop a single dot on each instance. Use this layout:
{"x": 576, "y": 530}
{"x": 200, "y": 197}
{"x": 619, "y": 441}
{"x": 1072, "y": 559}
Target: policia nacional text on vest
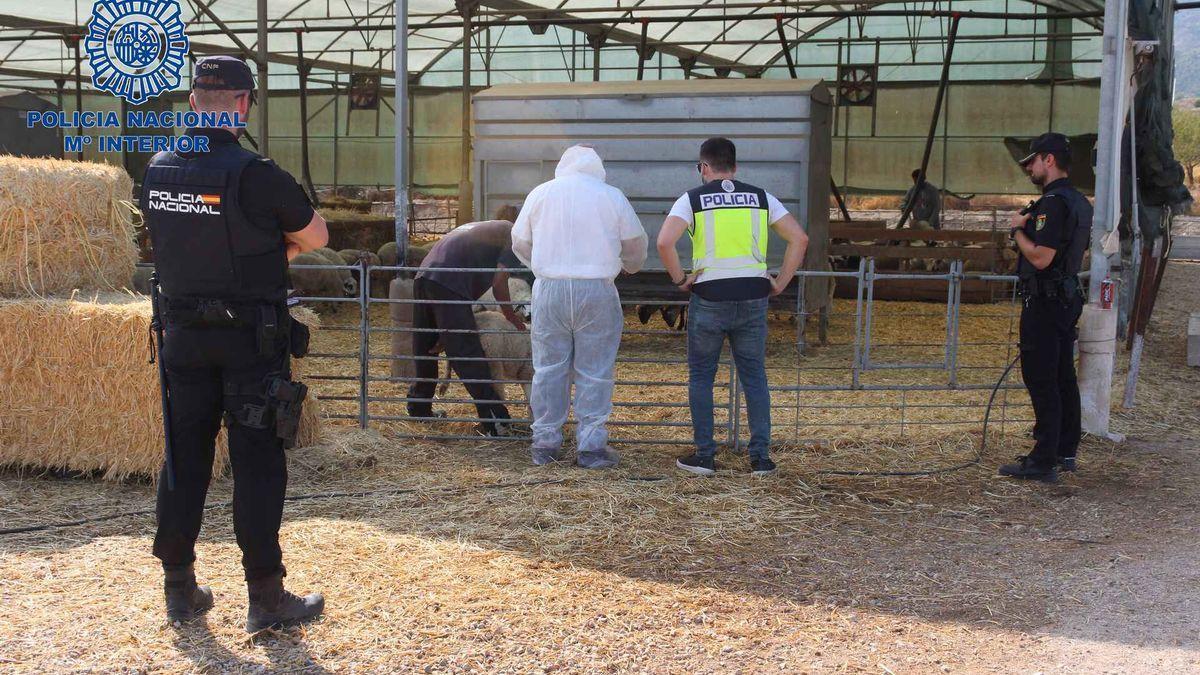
{"x": 218, "y": 269}
{"x": 730, "y": 221}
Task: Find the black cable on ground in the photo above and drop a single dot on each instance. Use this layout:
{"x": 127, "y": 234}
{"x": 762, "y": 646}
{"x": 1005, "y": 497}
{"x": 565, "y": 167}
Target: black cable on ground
{"x": 987, "y": 415}
{"x": 547, "y": 481}
{"x": 292, "y": 498}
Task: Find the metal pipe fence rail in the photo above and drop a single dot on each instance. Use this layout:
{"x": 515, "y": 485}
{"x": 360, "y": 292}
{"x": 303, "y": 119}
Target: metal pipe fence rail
{"x": 888, "y": 368}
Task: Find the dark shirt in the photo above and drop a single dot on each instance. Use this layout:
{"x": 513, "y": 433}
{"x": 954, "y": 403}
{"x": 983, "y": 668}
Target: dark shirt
{"x": 269, "y": 196}
{"x": 1048, "y": 226}
{"x": 928, "y": 205}
{"x": 486, "y": 245}
{"x": 731, "y": 290}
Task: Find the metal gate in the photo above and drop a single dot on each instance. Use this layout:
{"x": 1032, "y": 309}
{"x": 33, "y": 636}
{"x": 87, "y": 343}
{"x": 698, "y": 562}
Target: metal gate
{"x": 864, "y": 380}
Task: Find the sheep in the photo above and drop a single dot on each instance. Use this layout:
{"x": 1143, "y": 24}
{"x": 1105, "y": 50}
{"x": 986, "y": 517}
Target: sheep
{"x": 508, "y": 345}
{"x": 350, "y": 256}
{"x": 389, "y": 256}
{"x": 320, "y": 283}
{"x": 379, "y": 279}
{"x": 675, "y": 316}
{"x": 349, "y": 282}
{"x": 518, "y": 290}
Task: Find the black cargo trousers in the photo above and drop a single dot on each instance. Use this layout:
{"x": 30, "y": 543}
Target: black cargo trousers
{"x": 207, "y": 369}
{"x": 445, "y": 316}
{"x": 1048, "y": 333}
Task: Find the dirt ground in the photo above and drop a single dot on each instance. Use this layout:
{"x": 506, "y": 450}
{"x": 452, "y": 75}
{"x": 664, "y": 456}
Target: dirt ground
{"x": 445, "y": 557}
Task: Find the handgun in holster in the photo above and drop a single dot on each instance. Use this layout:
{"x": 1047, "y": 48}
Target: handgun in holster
{"x": 287, "y": 397}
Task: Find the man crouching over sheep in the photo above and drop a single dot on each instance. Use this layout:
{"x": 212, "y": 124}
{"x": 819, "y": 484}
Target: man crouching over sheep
{"x": 444, "y": 312}
{"x": 576, "y": 233}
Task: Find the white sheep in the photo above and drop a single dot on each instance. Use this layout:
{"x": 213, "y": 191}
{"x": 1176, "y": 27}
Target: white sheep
{"x": 518, "y": 290}
{"x": 509, "y": 345}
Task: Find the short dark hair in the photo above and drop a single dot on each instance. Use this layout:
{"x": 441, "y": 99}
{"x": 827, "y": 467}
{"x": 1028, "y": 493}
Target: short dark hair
{"x": 916, "y": 173}
{"x": 1061, "y": 159}
{"x": 719, "y": 153}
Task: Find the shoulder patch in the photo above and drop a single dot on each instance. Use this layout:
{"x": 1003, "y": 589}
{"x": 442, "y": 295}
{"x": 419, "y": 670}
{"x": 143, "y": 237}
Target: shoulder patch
{"x": 1041, "y": 222}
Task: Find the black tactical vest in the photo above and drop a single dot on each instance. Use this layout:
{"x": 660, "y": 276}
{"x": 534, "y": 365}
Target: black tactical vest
{"x": 204, "y": 246}
{"x": 1068, "y": 257}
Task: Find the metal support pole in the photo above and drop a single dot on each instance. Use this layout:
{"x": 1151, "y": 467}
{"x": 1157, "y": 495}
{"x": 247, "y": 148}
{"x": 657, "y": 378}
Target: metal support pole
{"x": 78, "y": 82}
{"x": 783, "y": 45}
{"x": 302, "y": 70}
{"x": 337, "y": 95}
{"x": 642, "y": 54}
{"x": 465, "y": 190}
{"x": 956, "y": 279}
{"x": 401, "y": 132}
{"x": 856, "y": 365}
{"x": 864, "y": 356}
{"x": 1098, "y": 328}
{"x": 264, "y": 136}
{"x": 937, "y": 113}
{"x": 596, "y": 42}
{"x": 736, "y": 409}
{"x": 731, "y": 430}
{"x": 1114, "y": 96}
{"x": 801, "y": 314}
{"x": 837, "y": 196}
{"x": 59, "y": 84}
{"x": 364, "y": 349}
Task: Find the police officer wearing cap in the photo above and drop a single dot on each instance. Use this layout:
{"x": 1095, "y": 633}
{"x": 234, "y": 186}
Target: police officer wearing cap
{"x": 1051, "y": 236}
{"x": 223, "y": 225}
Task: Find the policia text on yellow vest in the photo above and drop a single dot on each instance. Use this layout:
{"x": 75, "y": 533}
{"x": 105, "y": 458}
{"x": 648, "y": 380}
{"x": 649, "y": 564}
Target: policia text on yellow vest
{"x": 729, "y": 230}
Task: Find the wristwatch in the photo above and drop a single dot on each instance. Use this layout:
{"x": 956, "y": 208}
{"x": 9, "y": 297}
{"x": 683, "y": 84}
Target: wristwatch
{"x": 682, "y": 281}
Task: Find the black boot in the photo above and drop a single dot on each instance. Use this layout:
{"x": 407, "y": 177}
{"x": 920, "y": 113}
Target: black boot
{"x": 271, "y": 605}
{"x": 185, "y": 599}
{"x": 1026, "y": 468}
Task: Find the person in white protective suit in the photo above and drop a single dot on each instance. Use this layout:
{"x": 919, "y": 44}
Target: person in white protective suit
{"x": 576, "y": 233}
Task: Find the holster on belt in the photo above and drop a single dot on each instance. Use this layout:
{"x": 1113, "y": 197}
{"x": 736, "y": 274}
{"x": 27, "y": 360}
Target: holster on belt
{"x": 281, "y": 404}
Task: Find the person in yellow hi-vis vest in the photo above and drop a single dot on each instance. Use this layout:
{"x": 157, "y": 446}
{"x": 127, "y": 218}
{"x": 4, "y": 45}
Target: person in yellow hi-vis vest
{"x": 728, "y": 221}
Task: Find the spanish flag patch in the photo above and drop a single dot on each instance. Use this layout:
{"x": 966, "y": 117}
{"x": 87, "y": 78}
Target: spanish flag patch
{"x": 215, "y": 200}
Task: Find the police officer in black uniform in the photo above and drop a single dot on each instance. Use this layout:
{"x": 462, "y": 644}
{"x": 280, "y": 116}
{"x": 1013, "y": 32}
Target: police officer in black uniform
{"x": 223, "y": 225}
{"x": 1051, "y": 237}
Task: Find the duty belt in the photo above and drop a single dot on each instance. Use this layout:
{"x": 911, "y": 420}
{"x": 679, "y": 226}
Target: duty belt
{"x": 214, "y": 312}
{"x": 1065, "y": 288}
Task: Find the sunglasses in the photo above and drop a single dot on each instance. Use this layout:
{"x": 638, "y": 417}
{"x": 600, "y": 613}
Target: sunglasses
{"x": 700, "y": 167}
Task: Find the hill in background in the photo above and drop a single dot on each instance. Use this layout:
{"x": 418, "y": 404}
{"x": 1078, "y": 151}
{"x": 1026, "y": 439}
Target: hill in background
{"x": 1187, "y": 54}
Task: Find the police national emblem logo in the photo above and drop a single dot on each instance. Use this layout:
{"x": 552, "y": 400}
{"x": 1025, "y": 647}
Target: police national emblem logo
{"x": 136, "y": 48}
{"x": 727, "y": 185}
{"x": 1041, "y": 222}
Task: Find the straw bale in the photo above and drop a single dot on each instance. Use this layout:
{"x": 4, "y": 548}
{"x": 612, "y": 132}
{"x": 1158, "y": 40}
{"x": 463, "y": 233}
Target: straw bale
{"x": 64, "y": 226}
{"x": 79, "y": 393}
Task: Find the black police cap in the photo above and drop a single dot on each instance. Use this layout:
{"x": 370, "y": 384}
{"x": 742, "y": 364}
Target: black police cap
{"x": 215, "y": 73}
{"x": 1047, "y": 144}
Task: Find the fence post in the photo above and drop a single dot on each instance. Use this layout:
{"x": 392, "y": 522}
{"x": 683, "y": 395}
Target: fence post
{"x": 858, "y": 316}
{"x": 735, "y": 404}
{"x": 364, "y": 349}
{"x": 956, "y": 279}
{"x": 801, "y": 313}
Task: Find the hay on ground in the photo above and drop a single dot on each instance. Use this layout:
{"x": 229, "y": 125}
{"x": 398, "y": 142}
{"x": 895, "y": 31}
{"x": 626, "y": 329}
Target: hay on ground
{"x": 64, "y": 226}
{"x": 79, "y": 392}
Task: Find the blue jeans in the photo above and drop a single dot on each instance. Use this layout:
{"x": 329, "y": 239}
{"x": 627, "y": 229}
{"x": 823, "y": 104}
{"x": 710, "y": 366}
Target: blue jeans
{"x": 744, "y": 322}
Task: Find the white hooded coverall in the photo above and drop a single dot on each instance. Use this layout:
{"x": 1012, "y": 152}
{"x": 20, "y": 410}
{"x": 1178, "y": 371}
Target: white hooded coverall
{"x": 576, "y": 233}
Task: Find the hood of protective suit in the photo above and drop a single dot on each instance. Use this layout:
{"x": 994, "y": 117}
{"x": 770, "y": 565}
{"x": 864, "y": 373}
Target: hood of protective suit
{"x": 580, "y": 160}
